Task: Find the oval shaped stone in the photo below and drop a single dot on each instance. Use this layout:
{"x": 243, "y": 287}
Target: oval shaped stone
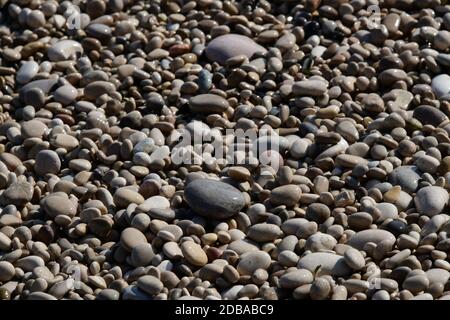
{"x": 131, "y": 238}
{"x": 431, "y": 200}
{"x": 55, "y": 205}
{"x": 150, "y": 285}
{"x": 296, "y": 278}
{"x": 213, "y": 199}
{"x": 7, "y": 271}
{"x": 288, "y": 195}
{"x": 47, "y": 161}
{"x": 405, "y": 176}
{"x": 27, "y": 72}
{"x": 253, "y": 260}
{"x": 264, "y": 232}
{"x": 124, "y": 196}
{"x": 18, "y": 193}
{"x": 97, "y": 88}
{"x": 359, "y": 239}
{"x": 309, "y": 88}
{"x": 208, "y": 103}
{"x": 194, "y": 254}
{"x": 222, "y": 48}
{"x": 429, "y": 115}
{"x": 64, "y": 50}
{"x": 354, "y": 259}
{"x": 328, "y": 264}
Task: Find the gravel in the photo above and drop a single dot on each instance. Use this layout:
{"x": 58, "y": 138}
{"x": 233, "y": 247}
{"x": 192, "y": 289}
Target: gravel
{"x": 124, "y": 173}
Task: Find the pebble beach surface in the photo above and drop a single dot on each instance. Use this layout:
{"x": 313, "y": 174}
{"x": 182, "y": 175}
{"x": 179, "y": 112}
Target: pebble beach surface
{"x": 353, "y": 203}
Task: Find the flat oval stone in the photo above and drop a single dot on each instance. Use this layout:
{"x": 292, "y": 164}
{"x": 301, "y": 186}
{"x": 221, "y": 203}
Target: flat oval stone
{"x": 354, "y": 259}
{"x": 65, "y": 141}
{"x": 387, "y": 211}
{"x": 208, "y": 103}
{"x": 18, "y": 193}
{"x": 142, "y": 255}
{"x": 320, "y": 241}
{"x": 108, "y": 294}
{"x": 222, "y": 48}
{"x": 65, "y": 94}
{"x": 249, "y": 262}
{"x": 441, "y": 85}
{"x": 416, "y": 283}
{"x": 47, "y": 161}
{"x": 437, "y": 275}
{"x": 27, "y": 71}
{"x": 33, "y": 129}
{"x": 55, "y": 205}
{"x": 194, "y": 254}
{"x": 264, "y": 232}
{"x": 429, "y": 115}
{"x": 45, "y": 85}
{"x": 30, "y": 262}
{"x": 213, "y": 199}
{"x": 155, "y": 202}
{"x": 309, "y": 88}
{"x": 150, "y": 285}
{"x": 288, "y": 195}
{"x": 359, "y": 239}
{"x": 431, "y": 200}
{"x": 40, "y": 296}
{"x": 329, "y": 263}
{"x": 406, "y": 177}
{"x": 7, "y": 271}
{"x": 296, "y": 278}
{"x": 131, "y": 238}
{"x": 124, "y": 196}
{"x": 390, "y": 76}
{"x": 5, "y": 242}
{"x": 99, "y": 31}
{"x": 64, "y": 50}
{"x": 97, "y": 88}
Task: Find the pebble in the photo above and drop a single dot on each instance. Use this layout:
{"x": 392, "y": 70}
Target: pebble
{"x": 354, "y": 259}
{"x": 325, "y": 263}
{"x": 359, "y": 239}
{"x": 429, "y": 115}
{"x": 125, "y": 196}
{"x": 441, "y": 85}
{"x": 33, "y": 129}
{"x": 431, "y": 200}
{"x": 150, "y": 285}
{"x": 309, "y": 88}
{"x": 295, "y": 279}
{"x": 7, "y": 271}
{"x": 131, "y": 238}
{"x": 405, "y": 176}
{"x": 288, "y": 195}
{"x": 320, "y": 289}
{"x": 224, "y": 47}
{"x": 47, "y": 161}
{"x": 213, "y": 199}
{"x": 27, "y": 72}
{"x": 142, "y": 255}
{"x": 194, "y": 254}
{"x": 264, "y": 232}
{"x": 208, "y": 103}
{"x": 64, "y": 50}
{"x": 111, "y": 137}
{"x": 66, "y": 94}
{"x": 57, "y": 204}
{"x": 249, "y": 262}
{"x": 18, "y": 193}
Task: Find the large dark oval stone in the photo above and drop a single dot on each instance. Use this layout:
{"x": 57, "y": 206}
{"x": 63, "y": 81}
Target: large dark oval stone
{"x": 213, "y": 199}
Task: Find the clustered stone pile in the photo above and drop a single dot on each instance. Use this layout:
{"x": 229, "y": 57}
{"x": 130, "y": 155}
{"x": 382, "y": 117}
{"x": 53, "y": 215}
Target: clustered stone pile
{"x": 355, "y": 109}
